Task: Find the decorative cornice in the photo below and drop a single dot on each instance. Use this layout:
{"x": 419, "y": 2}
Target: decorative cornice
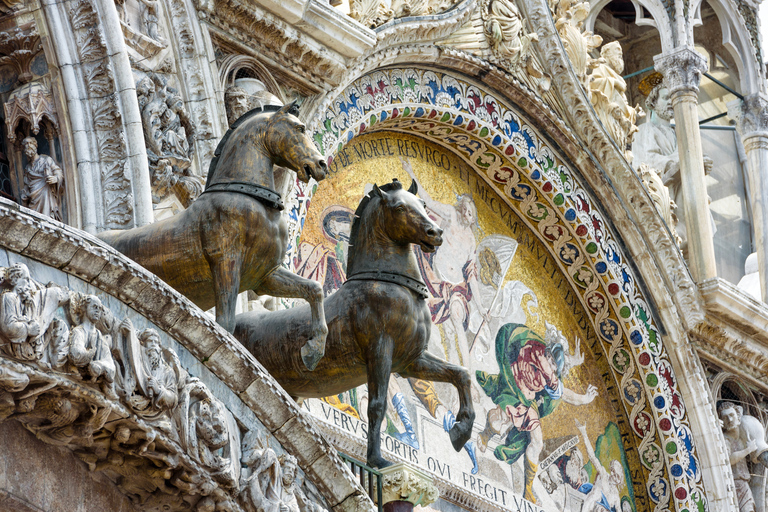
{"x": 682, "y": 69}
{"x": 87, "y": 258}
{"x": 420, "y": 29}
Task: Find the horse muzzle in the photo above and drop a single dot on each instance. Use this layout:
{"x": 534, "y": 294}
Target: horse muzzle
{"x": 316, "y": 170}
{"x": 433, "y": 239}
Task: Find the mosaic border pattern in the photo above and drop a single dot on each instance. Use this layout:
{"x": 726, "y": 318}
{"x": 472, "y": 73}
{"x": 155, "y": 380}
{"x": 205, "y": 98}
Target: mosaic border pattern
{"x": 494, "y": 138}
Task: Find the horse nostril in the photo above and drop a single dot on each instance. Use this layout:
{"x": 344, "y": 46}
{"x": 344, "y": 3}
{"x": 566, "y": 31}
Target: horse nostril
{"x": 322, "y": 163}
{"x": 433, "y": 232}
{"x": 439, "y": 231}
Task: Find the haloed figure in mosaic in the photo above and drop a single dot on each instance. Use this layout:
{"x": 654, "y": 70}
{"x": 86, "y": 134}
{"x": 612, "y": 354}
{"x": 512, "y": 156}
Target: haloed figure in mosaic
{"x": 529, "y": 387}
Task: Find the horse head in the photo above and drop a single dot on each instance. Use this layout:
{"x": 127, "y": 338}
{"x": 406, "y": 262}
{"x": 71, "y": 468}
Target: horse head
{"x": 290, "y": 146}
{"x": 405, "y": 218}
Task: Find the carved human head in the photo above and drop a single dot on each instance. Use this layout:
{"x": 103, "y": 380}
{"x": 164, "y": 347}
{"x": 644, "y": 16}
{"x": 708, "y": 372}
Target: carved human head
{"x": 211, "y": 427}
{"x": 18, "y": 277}
{"x": 730, "y": 414}
{"x": 151, "y": 340}
{"x": 288, "y": 466}
{"x": 122, "y": 434}
{"x": 612, "y": 53}
{"x": 235, "y": 102}
{"x": 92, "y": 308}
{"x": 658, "y": 101}
{"x": 29, "y": 144}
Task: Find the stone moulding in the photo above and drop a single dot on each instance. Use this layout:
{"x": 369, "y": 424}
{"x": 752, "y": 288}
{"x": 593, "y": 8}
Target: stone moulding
{"x": 79, "y": 254}
{"x": 417, "y": 29}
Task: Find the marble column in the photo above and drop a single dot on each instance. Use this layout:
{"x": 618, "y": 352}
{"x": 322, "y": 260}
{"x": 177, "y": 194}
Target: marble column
{"x": 751, "y": 117}
{"x": 405, "y": 486}
{"x": 682, "y": 69}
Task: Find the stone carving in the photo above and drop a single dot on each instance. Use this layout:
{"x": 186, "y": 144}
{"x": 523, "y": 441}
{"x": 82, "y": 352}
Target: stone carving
{"x": 18, "y": 48}
{"x": 32, "y": 103}
{"x": 43, "y": 182}
{"x": 660, "y": 196}
{"x": 169, "y": 138}
{"x": 371, "y": 13}
{"x": 745, "y": 437}
{"x": 570, "y": 16}
{"x": 655, "y": 146}
{"x": 608, "y": 94}
{"x": 682, "y": 69}
{"x": 181, "y": 440}
{"x": 504, "y": 28}
{"x": 406, "y": 483}
{"x": 294, "y": 498}
{"x": 260, "y": 480}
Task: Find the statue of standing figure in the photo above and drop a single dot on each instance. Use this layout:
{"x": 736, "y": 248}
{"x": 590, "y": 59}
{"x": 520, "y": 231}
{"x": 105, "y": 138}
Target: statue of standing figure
{"x": 655, "y": 144}
{"x": 608, "y": 95}
{"x": 43, "y": 182}
{"x": 745, "y": 437}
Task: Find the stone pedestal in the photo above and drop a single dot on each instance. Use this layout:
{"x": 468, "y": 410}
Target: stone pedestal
{"x": 682, "y": 69}
{"x": 405, "y": 486}
{"x": 751, "y": 117}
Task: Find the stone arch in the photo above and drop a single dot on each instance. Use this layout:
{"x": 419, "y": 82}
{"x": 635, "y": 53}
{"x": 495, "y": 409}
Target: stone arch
{"x": 233, "y": 63}
{"x": 660, "y": 18}
{"x": 523, "y": 166}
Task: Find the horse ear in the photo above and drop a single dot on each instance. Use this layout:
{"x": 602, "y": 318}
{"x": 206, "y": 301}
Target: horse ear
{"x": 291, "y": 108}
{"x": 414, "y": 188}
{"x": 376, "y": 191}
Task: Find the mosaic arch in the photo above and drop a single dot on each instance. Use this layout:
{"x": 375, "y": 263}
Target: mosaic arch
{"x": 514, "y": 159}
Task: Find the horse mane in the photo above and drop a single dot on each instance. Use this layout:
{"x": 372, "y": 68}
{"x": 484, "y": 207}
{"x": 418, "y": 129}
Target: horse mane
{"x": 293, "y": 110}
{"x": 354, "y": 231}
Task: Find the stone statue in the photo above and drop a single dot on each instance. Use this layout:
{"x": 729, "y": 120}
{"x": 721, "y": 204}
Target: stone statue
{"x": 504, "y": 29}
{"x": 43, "y": 182}
{"x": 655, "y": 145}
{"x": 260, "y": 478}
{"x": 293, "y": 498}
{"x": 608, "y": 94}
{"x": 236, "y": 103}
{"x": 570, "y": 16}
{"x": 26, "y": 311}
{"x": 91, "y": 349}
{"x": 660, "y": 195}
{"x": 149, "y": 18}
{"x": 740, "y": 445}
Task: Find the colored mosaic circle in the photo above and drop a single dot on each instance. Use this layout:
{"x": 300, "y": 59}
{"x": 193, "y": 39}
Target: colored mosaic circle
{"x": 681, "y": 493}
{"x": 644, "y": 359}
{"x": 591, "y": 248}
{"x": 601, "y": 267}
{"x": 547, "y": 187}
{"x": 636, "y": 338}
{"x": 559, "y": 199}
{"x": 652, "y": 380}
{"x": 570, "y": 216}
{"x": 659, "y": 402}
{"x": 625, "y": 312}
{"x": 582, "y": 231}
{"x": 665, "y": 424}
{"x": 671, "y": 447}
{"x": 676, "y": 470}
{"x": 613, "y": 289}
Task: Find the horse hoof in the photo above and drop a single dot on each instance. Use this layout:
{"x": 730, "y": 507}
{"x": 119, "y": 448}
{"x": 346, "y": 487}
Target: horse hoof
{"x": 310, "y": 356}
{"x": 379, "y": 463}
{"x": 459, "y": 436}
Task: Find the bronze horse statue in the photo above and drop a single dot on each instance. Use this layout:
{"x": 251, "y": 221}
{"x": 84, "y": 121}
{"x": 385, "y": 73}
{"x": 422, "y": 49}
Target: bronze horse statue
{"x": 378, "y": 321}
{"x": 233, "y": 237}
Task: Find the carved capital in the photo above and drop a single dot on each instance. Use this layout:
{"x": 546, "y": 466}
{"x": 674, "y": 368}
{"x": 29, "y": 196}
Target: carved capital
{"x": 751, "y": 115}
{"x": 682, "y": 69}
{"x": 402, "y": 482}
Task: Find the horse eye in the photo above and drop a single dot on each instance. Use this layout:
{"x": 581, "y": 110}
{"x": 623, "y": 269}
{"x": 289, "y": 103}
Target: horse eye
{"x": 302, "y": 129}
{"x": 400, "y": 208}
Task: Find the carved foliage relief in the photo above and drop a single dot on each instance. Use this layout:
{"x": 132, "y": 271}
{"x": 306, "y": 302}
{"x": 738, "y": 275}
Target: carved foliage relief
{"x": 105, "y": 111}
{"x": 498, "y": 143}
{"x": 78, "y": 375}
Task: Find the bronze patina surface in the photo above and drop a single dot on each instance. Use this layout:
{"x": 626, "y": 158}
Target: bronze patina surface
{"x": 233, "y": 237}
{"x": 377, "y": 326}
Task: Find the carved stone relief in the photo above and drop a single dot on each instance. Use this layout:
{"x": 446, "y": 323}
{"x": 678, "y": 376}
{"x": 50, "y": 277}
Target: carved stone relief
{"x": 77, "y": 376}
{"x": 570, "y": 16}
{"x": 117, "y": 194}
{"x": 505, "y": 30}
{"x": 169, "y": 138}
{"x": 18, "y": 48}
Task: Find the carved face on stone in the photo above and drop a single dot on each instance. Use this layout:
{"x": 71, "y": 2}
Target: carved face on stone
{"x": 93, "y": 308}
{"x": 18, "y": 278}
{"x": 236, "y": 103}
{"x": 731, "y": 420}
{"x": 289, "y": 471}
{"x": 664, "y": 106}
{"x": 30, "y": 147}
{"x": 613, "y": 55}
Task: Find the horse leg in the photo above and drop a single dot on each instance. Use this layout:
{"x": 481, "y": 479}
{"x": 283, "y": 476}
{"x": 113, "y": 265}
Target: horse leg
{"x": 226, "y": 284}
{"x": 429, "y": 367}
{"x": 379, "y": 366}
{"x": 282, "y": 283}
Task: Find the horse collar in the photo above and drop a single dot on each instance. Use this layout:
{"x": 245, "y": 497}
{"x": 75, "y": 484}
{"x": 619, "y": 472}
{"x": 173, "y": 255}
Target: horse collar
{"x": 412, "y": 284}
{"x": 266, "y": 195}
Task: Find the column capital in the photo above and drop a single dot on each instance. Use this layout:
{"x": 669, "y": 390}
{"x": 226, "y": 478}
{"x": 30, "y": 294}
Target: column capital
{"x": 751, "y": 115}
{"x": 682, "y": 69}
{"x": 404, "y": 483}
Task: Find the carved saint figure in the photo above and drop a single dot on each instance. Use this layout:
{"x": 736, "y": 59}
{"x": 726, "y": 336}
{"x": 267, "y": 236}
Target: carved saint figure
{"x": 570, "y": 15}
{"x": 260, "y": 479}
{"x": 739, "y": 447}
{"x": 43, "y": 182}
{"x": 608, "y": 94}
{"x": 90, "y": 349}
{"x": 236, "y": 103}
{"x": 25, "y": 314}
{"x": 293, "y": 498}
{"x": 162, "y": 386}
{"x": 504, "y": 29}
{"x": 655, "y": 145}
{"x": 149, "y": 18}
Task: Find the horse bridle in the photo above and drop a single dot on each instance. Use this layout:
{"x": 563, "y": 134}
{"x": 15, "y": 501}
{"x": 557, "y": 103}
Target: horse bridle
{"x": 412, "y": 284}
